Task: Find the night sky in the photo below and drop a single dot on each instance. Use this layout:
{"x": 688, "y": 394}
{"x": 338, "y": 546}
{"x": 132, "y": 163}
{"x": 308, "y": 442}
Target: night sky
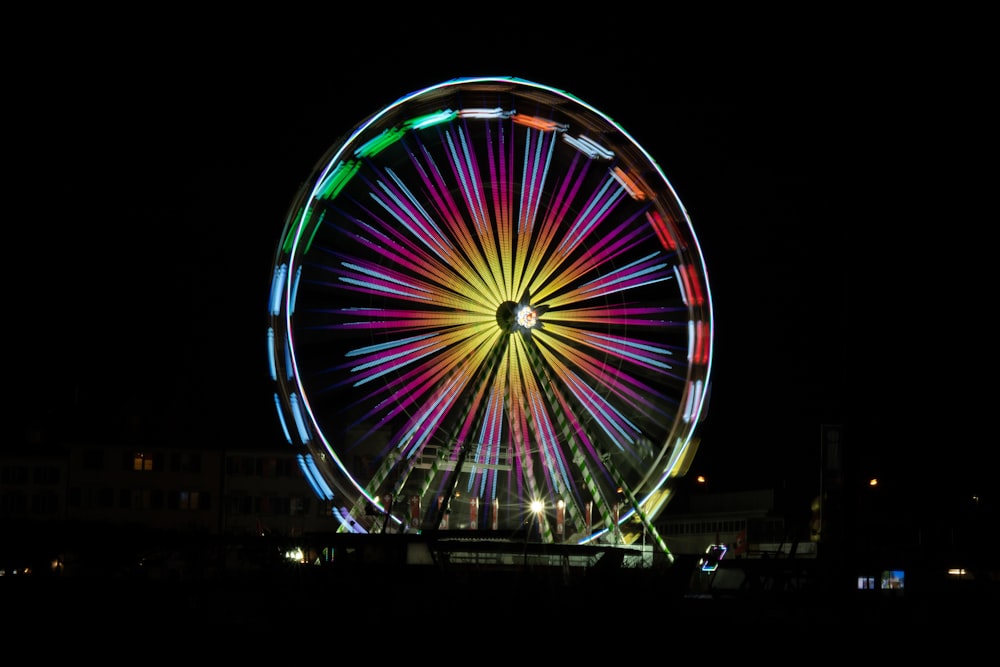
{"x": 154, "y": 176}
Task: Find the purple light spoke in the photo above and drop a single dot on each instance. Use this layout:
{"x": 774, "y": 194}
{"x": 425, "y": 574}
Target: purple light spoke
{"x": 610, "y": 418}
{"x": 419, "y": 385}
{"x": 502, "y": 177}
{"x": 395, "y": 253}
{"x": 555, "y": 464}
{"x": 597, "y": 208}
{"x": 613, "y": 377}
{"x": 617, "y": 241}
{"x": 580, "y": 432}
{"x": 491, "y": 431}
{"x": 632, "y": 316}
{"x": 556, "y": 214}
{"x": 398, "y": 201}
{"x": 635, "y": 351}
{"x": 634, "y": 394}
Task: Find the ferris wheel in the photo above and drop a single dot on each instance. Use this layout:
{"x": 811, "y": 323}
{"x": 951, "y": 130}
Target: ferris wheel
{"x": 489, "y": 310}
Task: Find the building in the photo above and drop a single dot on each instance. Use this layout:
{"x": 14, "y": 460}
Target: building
{"x": 54, "y": 499}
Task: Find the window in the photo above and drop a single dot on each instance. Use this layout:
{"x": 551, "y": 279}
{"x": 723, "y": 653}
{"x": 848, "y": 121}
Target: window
{"x": 16, "y": 503}
{"x": 45, "y": 502}
{"x": 191, "y": 462}
{"x": 187, "y": 500}
{"x": 142, "y": 462}
{"x": 281, "y": 505}
{"x": 267, "y": 468}
{"x": 185, "y": 462}
{"x": 238, "y": 504}
{"x": 93, "y": 459}
{"x": 892, "y": 580}
{"x": 14, "y": 474}
{"x": 106, "y": 498}
{"x": 239, "y": 466}
{"x": 46, "y": 474}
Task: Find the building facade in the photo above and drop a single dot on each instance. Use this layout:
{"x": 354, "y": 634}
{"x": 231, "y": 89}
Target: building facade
{"x": 161, "y": 488}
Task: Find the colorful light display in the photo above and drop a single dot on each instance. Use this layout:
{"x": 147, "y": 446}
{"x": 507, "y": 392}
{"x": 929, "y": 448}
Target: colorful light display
{"x": 489, "y": 294}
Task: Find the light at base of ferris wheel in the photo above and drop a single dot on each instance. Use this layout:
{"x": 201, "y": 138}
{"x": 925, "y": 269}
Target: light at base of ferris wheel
{"x": 537, "y": 508}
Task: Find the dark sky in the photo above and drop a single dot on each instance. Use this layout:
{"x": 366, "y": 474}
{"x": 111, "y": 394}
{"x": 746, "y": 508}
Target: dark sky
{"x": 154, "y": 176}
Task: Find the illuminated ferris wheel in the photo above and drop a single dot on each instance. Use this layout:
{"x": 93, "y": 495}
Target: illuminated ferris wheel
{"x": 489, "y": 295}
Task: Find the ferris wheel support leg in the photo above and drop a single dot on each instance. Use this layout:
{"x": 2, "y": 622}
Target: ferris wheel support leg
{"x": 445, "y": 505}
{"x": 643, "y": 518}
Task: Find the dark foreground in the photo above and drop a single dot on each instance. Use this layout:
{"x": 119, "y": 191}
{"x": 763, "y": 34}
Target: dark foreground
{"x": 469, "y": 602}
{"x": 379, "y": 598}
